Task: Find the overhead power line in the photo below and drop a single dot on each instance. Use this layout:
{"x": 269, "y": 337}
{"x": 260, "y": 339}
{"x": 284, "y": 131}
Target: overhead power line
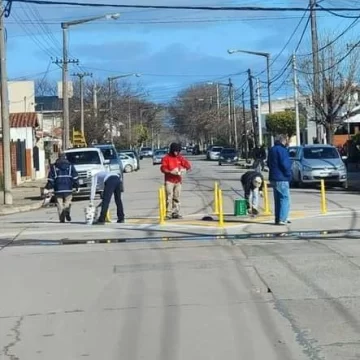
{"x": 177, "y": 7}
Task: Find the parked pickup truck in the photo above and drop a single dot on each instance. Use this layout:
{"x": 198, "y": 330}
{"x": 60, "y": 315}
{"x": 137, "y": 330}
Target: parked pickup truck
{"x": 85, "y": 160}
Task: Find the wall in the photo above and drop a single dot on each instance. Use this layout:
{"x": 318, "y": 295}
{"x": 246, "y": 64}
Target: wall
{"x": 21, "y": 96}
{"x": 13, "y": 162}
{"x": 23, "y": 134}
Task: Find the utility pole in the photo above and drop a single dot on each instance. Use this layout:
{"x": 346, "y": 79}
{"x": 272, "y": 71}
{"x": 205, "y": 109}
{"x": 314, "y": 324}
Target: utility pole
{"x": 81, "y": 81}
{"x": 235, "y": 119}
{"x": 229, "y": 113}
{"x": 296, "y": 99}
{"x": 258, "y": 90}
{"x": 252, "y": 105}
{"x": 95, "y": 103}
{"x": 232, "y": 112}
{"x": 218, "y": 102}
{"x": 8, "y": 199}
{"x": 245, "y": 127}
{"x": 129, "y": 121}
{"x": 111, "y": 111}
{"x": 316, "y": 67}
{"x": 65, "y": 90}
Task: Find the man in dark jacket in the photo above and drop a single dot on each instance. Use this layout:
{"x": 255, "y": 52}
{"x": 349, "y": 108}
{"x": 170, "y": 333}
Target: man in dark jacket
{"x": 63, "y": 177}
{"x": 252, "y": 182}
{"x": 259, "y": 158}
{"x": 280, "y": 176}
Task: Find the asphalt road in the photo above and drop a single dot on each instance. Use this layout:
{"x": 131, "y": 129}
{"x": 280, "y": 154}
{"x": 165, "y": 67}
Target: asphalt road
{"x": 141, "y": 208}
{"x": 167, "y": 300}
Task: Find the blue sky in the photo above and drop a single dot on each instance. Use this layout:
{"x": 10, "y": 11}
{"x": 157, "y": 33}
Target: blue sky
{"x": 171, "y": 49}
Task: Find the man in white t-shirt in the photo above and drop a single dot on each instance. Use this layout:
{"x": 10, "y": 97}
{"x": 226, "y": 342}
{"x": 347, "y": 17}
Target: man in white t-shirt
{"x": 111, "y": 184}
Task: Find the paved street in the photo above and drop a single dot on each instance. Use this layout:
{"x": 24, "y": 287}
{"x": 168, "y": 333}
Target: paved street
{"x": 141, "y": 206}
{"x": 259, "y": 298}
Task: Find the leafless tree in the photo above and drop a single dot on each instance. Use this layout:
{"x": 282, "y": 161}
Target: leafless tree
{"x": 339, "y": 68}
{"x": 45, "y": 87}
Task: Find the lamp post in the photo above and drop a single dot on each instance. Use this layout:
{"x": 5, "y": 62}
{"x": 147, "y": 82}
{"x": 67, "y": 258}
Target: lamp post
{"x": 267, "y": 56}
{"x": 65, "y": 61}
{"x": 110, "y": 80}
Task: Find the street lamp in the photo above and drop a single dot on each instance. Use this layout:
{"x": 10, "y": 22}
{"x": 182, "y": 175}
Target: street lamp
{"x": 65, "y": 26}
{"x": 267, "y": 56}
{"x": 110, "y": 80}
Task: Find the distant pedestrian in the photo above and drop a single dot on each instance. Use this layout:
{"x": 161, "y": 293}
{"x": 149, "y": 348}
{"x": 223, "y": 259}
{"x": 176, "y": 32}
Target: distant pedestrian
{"x": 111, "y": 184}
{"x": 173, "y": 165}
{"x": 252, "y": 182}
{"x": 280, "y": 176}
{"x": 63, "y": 178}
{"x": 259, "y": 156}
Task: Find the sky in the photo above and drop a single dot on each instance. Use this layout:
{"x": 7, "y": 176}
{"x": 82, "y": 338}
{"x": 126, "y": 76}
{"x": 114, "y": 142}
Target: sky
{"x": 171, "y": 49}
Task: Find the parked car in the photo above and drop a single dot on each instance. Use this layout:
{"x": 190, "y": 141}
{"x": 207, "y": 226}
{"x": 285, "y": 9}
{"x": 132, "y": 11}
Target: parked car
{"x": 315, "y": 162}
{"x": 134, "y": 155}
{"x": 213, "y": 153}
{"x": 86, "y": 160}
{"x": 109, "y": 152}
{"x": 146, "y": 152}
{"x": 128, "y": 162}
{"x": 228, "y": 156}
{"x": 158, "y": 155}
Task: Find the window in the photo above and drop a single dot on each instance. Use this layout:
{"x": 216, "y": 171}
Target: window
{"x": 109, "y": 153}
{"x": 321, "y": 153}
{"x": 216, "y": 149}
{"x": 228, "y": 151}
{"x": 83, "y": 157}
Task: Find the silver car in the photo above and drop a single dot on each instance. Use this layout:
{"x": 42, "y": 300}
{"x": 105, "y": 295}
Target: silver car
{"x": 158, "y": 156}
{"x": 128, "y": 163}
{"x": 214, "y": 153}
{"x": 311, "y": 163}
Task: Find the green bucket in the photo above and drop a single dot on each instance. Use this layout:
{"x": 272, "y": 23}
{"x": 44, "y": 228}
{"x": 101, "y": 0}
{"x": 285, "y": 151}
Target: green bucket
{"x": 240, "y": 207}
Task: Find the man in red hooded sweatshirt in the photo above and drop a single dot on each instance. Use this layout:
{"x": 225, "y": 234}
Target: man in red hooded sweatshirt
{"x": 173, "y": 165}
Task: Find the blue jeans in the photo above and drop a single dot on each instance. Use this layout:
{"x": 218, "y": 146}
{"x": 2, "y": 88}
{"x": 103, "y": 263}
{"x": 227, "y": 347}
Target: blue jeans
{"x": 281, "y": 200}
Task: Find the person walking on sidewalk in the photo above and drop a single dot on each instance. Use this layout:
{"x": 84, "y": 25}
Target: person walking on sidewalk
{"x": 252, "y": 182}
{"x": 173, "y": 165}
{"x": 280, "y": 176}
{"x": 63, "y": 178}
{"x": 111, "y": 184}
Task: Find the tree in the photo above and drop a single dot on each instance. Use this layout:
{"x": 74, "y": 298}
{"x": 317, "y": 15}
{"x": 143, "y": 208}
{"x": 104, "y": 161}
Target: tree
{"x": 283, "y": 122}
{"x": 195, "y": 114}
{"x": 339, "y": 68}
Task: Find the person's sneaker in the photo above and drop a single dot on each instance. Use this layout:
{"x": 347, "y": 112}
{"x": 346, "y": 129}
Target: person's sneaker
{"x": 67, "y": 217}
{"x": 177, "y": 216}
{"x": 168, "y": 217}
{"x": 62, "y": 218}
{"x": 99, "y": 222}
{"x": 121, "y": 221}
{"x": 282, "y": 223}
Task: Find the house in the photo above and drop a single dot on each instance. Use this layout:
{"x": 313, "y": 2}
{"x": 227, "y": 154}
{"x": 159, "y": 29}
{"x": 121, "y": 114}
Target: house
{"x": 30, "y": 155}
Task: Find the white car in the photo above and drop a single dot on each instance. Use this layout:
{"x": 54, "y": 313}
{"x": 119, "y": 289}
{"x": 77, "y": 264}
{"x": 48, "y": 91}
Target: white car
{"x": 128, "y": 162}
{"x": 214, "y": 153}
{"x": 87, "y": 160}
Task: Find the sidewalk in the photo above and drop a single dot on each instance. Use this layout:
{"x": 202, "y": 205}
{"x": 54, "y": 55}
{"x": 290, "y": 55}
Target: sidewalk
{"x": 26, "y": 197}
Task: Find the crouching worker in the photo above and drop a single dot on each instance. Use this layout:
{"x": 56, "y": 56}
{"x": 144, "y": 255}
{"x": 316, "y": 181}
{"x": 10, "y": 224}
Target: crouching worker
{"x": 111, "y": 184}
{"x": 252, "y": 182}
{"x": 173, "y": 166}
{"x": 62, "y": 178}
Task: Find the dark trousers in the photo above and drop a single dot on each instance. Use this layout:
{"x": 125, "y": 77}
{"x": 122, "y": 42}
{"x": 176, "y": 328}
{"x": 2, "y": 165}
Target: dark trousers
{"x": 112, "y": 186}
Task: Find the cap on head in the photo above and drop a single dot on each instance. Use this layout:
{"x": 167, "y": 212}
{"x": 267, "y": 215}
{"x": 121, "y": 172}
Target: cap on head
{"x": 174, "y": 147}
{"x": 257, "y": 181}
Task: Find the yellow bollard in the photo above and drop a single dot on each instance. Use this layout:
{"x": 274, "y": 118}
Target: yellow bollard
{"x": 221, "y": 209}
{"x": 163, "y": 201}
{"x": 323, "y": 205}
{"x": 216, "y": 198}
{"x": 108, "y": 217}
{"x": 267, "y": 210}
{"x": 161, "y": 210}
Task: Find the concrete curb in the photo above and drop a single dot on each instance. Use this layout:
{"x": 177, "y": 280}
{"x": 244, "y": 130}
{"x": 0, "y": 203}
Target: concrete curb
{"x": 21, "y": 208}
